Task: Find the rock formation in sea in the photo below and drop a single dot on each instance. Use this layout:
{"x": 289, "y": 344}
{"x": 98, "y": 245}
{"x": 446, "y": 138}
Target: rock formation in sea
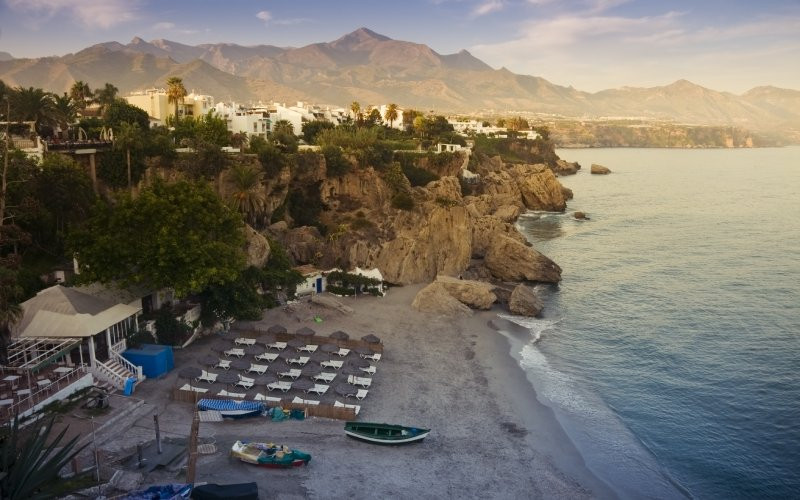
{"x": 599, "y": 169}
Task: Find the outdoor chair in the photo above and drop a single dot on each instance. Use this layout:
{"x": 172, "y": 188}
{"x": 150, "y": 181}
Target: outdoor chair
{"x": 332, "y": 364}
{"x": 301, "y": 360}
{"x": 372, "y": 357}
{"x": 308, "y": 348}
{"x": 318, "y": 389}
{"x": 267, "y": 356}
{"x": 244, "y": 341}
{"x": 293, "y": 373}
{"x": 254, "y": 368}
{"x": 342, "y": 352}
{"x": 370, "y": 369}
{"x": 360, "y": 381}
{"x": 245, "y": 382}
{"x": 225, "y": 364}
{"x": 301, "y": 401}
{"x": 269, "y": 399}
{"x": 361, "y": 394}
{"x": 235, "y": 352}
{"x": 225, "y": 394}
{"x": 207, "y": 377}
{"x": 277, "y": 345}
{"x": 281, "y": 385}
{"x": 326, "y": 377}
{"x": 188, "y": 387}
{"x": 338, "y": 404}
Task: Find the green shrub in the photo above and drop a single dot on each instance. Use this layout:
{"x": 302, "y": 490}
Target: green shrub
{"x": 336, "y": 165}
{"x": 403, "y": 201}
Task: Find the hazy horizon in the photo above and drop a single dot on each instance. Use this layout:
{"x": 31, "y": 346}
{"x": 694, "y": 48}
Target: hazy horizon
{"x": 590, "y": 45}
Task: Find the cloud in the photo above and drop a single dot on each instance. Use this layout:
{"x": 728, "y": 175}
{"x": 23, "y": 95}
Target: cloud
{"x": 163, "y": 26}
{"x": 487, "y": 7}
{"x": 264, "y": 15}
{"x": 91, "y": 13}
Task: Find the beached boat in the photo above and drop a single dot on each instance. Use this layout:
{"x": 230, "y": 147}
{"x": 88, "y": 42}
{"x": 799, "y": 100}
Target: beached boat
{"x": 384, "y": 433}
{"x": 230, "y": 408}
{"x": 269, "y": 455}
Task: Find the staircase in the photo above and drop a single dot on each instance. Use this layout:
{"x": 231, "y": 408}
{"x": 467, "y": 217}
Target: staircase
{"x": 111, "y": 374}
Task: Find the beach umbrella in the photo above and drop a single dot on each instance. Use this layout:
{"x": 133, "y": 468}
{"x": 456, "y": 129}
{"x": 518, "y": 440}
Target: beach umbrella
{"x": 319, "y": 355}
{"x": 329, "y": 348}
{"x": 221, "y": 345}
{"x": 278, "y": 366}
{"x": 209, "y": 360}
{"x": 345, "y": 389}
{"x": 190, "y": 372}
{"x": 358, "y": 363}
{"x": 240, "y": 364}
{"x": 253, "y": 350}
{"x": 295, "y": 342}
{"x": 287, "y": 354}
{"x": 276, "y": 329}
{"x": 227, "y": 378}
{"x": 302, "y": 384}
{"x": 371, "y": 339}
{"x": 265, "y": 379}
{"x": 351, "y": 370}
{"x": 311, "y": 370}
{"x": 265, "y": 339}
{"x": 306, "y": 332}
{"x": 363, "y": 350}
{"x": 339, "y": 335}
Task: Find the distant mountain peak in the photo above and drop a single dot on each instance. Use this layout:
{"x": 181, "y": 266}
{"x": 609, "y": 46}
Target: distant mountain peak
{"x": 359, "y": 38}
{"x": 137, "y": 40}
{"x": 5, "y": 56}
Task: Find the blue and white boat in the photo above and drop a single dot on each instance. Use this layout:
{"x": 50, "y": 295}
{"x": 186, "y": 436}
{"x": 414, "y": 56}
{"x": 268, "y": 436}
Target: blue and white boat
{"x": 230, "y": 408}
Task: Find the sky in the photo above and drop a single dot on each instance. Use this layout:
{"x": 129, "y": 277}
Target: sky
{"x": 729, "y": 45}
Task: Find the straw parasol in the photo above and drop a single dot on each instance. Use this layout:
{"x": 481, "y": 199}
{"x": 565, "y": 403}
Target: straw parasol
{"x": 345, "y": 389}
{"x": 329, "y": 348}
{"x": 254, "y": 350}
{"x": 302, "y": 384}
{"x": 265, "y": 339}
{"x": 190, "y": 372}
{"x": 371, "y": 339}
{"x": 305, "y": 332}
{"x": 351, "y": 370}
{"x": 278, "y": 366}
{"x": 227, "y": 378}
{"x": 209, "y": 360}
{"x": 311, "y": 370}
{"x": 265, "y": 379}
{"x": 275, "y": 329}
{"x": 287, "y": 354}
{"x": 295, "y": 342}
{"x": 319, "y": 355}
{"x": 358, "y": 363}
{"x": 339, "y": 335}
{"x": 363, "y": 350}
{"x": 221, "y": 345}
{"x": 240, "y": 364}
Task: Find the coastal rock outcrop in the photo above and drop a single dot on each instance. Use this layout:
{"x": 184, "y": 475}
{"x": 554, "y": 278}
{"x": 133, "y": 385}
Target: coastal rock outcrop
{"x": 599, "y": 169}
{"x": 435, "y": 299}
{"x": 524, "y": 302}
{"x": 540, "y": 190}
{"x": 475, "y": 294}
{"x": 509, "y": 260}
{"x": 564, "y": 167}
{"x": 580, "y": 215}
{"x": 256, "y": 248}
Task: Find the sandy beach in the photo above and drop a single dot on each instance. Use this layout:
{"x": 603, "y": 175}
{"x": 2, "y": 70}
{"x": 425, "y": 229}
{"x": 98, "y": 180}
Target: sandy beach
{"x": 490, "y": 437}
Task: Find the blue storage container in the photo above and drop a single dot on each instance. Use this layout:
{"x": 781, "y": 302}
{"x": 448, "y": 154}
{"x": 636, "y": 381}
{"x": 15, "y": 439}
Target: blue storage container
{"x": 155, "y": 360}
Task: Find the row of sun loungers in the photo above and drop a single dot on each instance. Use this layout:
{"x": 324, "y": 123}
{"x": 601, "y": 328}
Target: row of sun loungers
{"x": 360, "y": 381}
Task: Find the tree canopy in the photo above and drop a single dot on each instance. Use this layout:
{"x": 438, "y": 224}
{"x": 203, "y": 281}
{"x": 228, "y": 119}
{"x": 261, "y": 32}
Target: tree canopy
{"x": 172, "y": 235}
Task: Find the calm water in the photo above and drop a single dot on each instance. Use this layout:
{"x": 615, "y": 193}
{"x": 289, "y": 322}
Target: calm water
{"x": 671, "y": 349}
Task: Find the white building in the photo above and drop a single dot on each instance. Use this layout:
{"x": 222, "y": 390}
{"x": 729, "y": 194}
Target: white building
{"x": 254, "y": 121}
{"x": 397, "y": 123}
{"x": 156, "y": 103}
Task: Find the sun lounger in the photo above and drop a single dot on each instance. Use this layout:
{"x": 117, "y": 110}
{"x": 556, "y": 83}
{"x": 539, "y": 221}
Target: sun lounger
{"x": 371, "y": 370}
{"x": 293, "y": 373}
{"x": 187, "y": 387}
{"x": 254, "y": 368}
{"x": 332, "y": 364}
{"x": 224, "y": 364}
{"x": 308, "y": 348}
{"x": 235, "y": 352}
{"x": 372, "y": 357}
{"x": 281, "y": 385}
{"x": 357, "y": 408}
{"x": 299, "y": 400}
{"x": 244, "y": 341}
{"x": 267, "y": 356}
{"x": 360, "y": 381}
{"x": 326, "y": 377}
{"x": 342, "y": 352}
{"x": 207, "y": 377}
{"x": 234, "y": 395}
{"x": 361, "y": 394}
{"x": 245, "y": 382}
{"x": 319, "y": 389}
{"x": 269, "y": 399}
{"x": 301, "y": 360}
{"x": 277, "y": 345}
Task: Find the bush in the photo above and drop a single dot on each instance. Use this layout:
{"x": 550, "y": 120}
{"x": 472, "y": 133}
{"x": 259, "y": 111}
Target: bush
{"x": 336, "y": 165}
{"x": 403, "y": 201}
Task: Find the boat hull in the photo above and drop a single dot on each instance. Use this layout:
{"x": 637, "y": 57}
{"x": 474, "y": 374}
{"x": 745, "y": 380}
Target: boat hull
{"x": 278, "y": 457}
{"x": 374, "y": 440}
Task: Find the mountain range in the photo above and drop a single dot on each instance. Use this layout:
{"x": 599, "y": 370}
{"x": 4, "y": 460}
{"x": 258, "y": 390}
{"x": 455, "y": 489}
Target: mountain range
{"x": 371, "y": 68}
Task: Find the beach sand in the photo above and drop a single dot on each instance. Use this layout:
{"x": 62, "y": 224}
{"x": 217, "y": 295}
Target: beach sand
{"x": 490, "y": 436}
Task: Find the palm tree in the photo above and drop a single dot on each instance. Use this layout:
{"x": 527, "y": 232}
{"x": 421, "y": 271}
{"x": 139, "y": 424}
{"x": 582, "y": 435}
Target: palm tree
{"x": 128, "y": 136}
{"x": 355, "y": 107}
{"x": 247, "y": 195}
{"x": 81, "y": 93}
{"x": 34, "y": 105}
{"x": 65, "y": 111}
{"x": 239, "y": 140}
{"x": 175, "y": 92}
{"x": 106, "y": 96}
{"x": 391, "y": 114}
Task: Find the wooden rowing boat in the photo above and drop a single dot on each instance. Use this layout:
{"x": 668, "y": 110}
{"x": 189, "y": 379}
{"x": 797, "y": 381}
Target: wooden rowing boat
{"x": 384, "y": 433}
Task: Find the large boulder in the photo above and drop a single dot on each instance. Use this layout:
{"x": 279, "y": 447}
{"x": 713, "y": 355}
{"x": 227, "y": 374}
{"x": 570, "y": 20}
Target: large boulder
{"x": 304, "y": 243}
{"x": 524, "y": 301}
{"x": 256, "y": 248}
{"x": 475, "y": 294}
{"x": 540, "y": 190}
{"x": 599, "y": 169}
{"x": 507, "y": 213}
{"x": 564, "y": 167}
{"x": 510, "y": 260}
{"x": 435, "y": 299}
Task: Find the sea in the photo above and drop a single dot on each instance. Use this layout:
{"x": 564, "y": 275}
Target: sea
{"x": 670, "y": 351}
